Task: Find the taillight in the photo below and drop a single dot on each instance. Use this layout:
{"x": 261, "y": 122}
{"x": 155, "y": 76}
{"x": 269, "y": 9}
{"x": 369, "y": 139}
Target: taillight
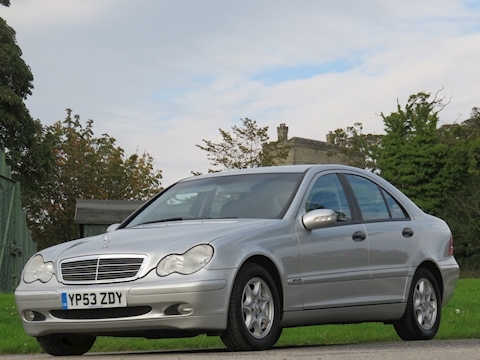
{"x": 450, "y": 249}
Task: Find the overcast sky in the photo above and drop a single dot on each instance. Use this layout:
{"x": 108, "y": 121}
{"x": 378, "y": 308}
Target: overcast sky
{"x": 161, "y": 75}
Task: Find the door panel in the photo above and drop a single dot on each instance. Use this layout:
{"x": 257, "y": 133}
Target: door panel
{"x": 334, "y": 267}
{"x": 391, "y": 236}
{"x": 391, "y": 255}
{"x": 334, "y": 259}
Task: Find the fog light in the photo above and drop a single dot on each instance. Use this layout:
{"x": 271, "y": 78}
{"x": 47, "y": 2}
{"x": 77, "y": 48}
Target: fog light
{"x": 185, "y": 309}
{"x": 29, "y": 315}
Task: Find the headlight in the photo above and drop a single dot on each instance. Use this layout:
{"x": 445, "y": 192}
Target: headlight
{"x": 187, "y": 263}
{"x": 37, "y": 269}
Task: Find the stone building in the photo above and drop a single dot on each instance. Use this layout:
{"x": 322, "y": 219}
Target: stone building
{"x": 308, "y": 151}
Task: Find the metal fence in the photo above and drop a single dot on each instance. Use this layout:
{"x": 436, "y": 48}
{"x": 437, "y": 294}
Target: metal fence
{"x": 16, "y": 245}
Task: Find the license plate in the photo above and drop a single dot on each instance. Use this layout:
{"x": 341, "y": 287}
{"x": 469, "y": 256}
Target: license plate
{"x": 93, "y": 299}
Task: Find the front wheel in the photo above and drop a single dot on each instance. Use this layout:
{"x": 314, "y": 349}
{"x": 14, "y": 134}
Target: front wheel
{"x": 254, "y": 311}
{"x": 422, "y": 315}
{"x": 61, "y": 345}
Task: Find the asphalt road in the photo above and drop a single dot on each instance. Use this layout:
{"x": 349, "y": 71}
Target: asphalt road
{"x": 424, "y": 350}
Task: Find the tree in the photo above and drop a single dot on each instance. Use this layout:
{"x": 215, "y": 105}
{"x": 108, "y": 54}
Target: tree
{"x": 412, "y": 157}
{"x": 438, "y": 168}
{"x": 86, "y": 167}
{"x": 462, "y": 208}
{"x": 358, "y": 149}
{"x": 246, "y": 147}
{"x": 20, "y": 135}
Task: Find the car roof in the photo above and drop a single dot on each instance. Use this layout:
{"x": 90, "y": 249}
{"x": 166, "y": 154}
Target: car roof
{"x": 275, "y": 169}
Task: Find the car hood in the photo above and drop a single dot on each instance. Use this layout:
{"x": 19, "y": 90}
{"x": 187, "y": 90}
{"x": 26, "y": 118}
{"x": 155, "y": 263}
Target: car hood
{"x": 153, "y": 240}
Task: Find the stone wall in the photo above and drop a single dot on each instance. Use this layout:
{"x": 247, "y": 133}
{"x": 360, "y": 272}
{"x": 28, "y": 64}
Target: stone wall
{"x": 307, "y": 151}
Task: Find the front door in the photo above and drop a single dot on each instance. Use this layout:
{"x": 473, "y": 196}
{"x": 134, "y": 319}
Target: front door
{"x": 334, "y": 259}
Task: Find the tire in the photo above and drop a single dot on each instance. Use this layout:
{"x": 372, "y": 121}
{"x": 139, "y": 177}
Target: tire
{"x": 424, "y": 308}
{"x": 60, "y": 345}
{"x": 254, "y": 311}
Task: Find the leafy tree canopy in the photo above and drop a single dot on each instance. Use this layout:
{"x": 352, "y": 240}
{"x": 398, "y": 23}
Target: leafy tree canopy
{"x": 86, "y": 167}
{"x": 20, "y": 135}
{"x": 358, "y": 149}
{"x": 412, "y": 156}
{"x": 462, "y": 207}
{"x": 244, "y": 147}
{"x": 15, "y": 85}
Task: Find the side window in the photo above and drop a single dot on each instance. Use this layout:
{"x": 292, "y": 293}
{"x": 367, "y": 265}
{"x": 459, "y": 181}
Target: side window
{"x": 396, "y": 210}
{"x": 369, "y": 197}
{"x": 327, "y": 193}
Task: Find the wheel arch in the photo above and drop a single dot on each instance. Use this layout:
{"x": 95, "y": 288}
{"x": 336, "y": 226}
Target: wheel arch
{"x": 272, "y": 269}
{"x": 433, "y": 268}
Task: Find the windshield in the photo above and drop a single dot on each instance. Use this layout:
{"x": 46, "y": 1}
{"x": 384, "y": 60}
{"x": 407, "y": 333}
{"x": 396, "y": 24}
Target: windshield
{"x": 263, "y": 196}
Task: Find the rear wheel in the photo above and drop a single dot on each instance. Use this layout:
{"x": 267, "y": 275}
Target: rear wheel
{"x": 422, "y": 315}
{"x": 254, "y": 312}
{"x": 60, "y": 345}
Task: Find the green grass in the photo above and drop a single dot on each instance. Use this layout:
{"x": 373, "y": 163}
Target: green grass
{"x": 13, "y": 339}
{"x": 460, "y": 320}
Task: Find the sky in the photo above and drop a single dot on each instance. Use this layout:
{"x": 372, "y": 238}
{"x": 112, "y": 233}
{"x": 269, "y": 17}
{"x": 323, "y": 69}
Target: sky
{"x": 161, "y": 75}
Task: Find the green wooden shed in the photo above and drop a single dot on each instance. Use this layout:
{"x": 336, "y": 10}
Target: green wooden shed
{"x": 93, "y": 217}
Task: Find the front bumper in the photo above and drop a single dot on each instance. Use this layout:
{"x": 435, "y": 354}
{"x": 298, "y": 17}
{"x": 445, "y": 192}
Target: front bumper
{"x": 147, "y": 313}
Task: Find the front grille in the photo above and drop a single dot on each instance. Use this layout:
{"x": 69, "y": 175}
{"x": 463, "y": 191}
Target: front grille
{"x": 107, "y": 313}
{"x": 101, "y": 269}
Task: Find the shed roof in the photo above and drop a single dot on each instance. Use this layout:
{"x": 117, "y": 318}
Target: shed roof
{"x": 104, "y": 211}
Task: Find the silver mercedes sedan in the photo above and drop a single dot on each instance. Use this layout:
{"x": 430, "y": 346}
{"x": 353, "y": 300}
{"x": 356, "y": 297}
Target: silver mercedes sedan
{"x": 243, "y": 254}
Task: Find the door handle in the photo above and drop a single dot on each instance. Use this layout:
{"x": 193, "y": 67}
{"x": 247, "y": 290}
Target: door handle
{"x": 407, "y": 232}
{"x": 359, "y": 236}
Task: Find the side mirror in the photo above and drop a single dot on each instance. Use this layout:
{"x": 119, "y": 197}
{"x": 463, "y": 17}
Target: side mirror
{"x": 112, "y": 227}
{"x": 317, "y": 219}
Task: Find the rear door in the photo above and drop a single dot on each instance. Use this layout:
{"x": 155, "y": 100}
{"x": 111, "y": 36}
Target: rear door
{"x": 392, "y": 239}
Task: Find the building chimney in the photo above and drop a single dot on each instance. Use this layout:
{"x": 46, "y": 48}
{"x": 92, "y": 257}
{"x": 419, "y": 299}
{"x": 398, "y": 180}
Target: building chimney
{"x": 330, "y": 138}
{"x": 282, "y": 132}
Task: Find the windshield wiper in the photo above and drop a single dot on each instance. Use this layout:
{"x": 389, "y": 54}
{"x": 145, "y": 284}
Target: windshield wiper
{"x": 173, "y": 219}
{"x": 161, "y": 220}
